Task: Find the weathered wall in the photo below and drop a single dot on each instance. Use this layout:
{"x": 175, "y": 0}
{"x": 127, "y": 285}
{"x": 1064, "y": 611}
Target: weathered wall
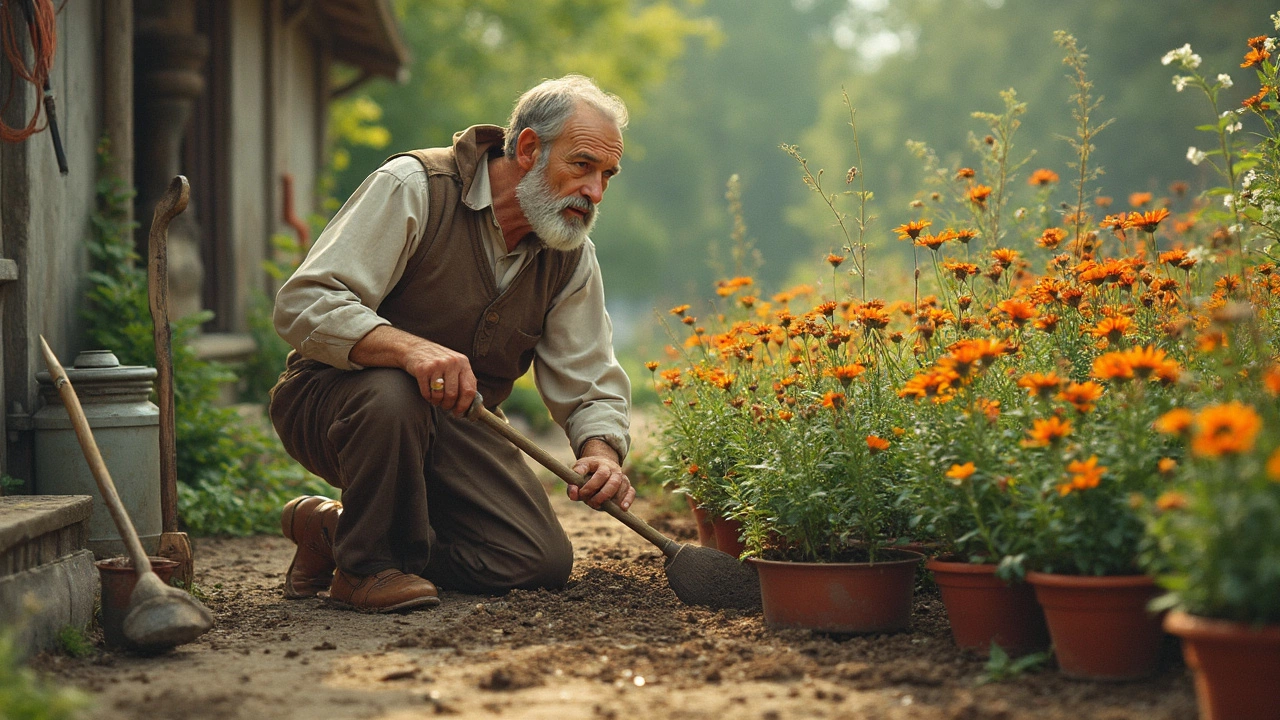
{"x": 249, "y": 231}
{"x": 46, "y": 218}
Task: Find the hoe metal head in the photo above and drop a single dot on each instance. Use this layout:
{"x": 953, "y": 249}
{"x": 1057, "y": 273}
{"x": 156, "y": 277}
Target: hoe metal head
{"x": 161, "y": 617}
{"x": 712, "y": 579}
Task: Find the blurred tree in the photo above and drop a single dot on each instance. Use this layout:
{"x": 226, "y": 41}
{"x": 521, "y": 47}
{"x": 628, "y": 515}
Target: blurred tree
{"x": 472, "y": 58}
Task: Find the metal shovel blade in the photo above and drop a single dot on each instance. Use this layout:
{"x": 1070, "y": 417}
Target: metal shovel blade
{"x": 162, "y": 617}
{"x": 712, "y": 579}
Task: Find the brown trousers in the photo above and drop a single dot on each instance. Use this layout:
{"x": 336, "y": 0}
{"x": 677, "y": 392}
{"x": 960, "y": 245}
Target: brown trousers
{"x": 422, "y": 491}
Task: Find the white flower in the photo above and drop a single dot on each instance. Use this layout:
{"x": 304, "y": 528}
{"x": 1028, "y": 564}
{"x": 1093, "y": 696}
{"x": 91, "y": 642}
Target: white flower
{"x": 1225, "y": 80}
{"x": 1235, "y": 229}
{"x": 1276, "y": 19}
{"x": 1201, "y": 254}
{"x": 1269, "y": 44}
{"x": 1184, "y": 57}
{"x": 1227, "y": 200}
{"x": 1248, "y": 179}
{"x": 1180, "y": 82}
{"x": 1020, "y": 213}
{"x": 1194, "y": 156}
{"x": 1234, "y": 127}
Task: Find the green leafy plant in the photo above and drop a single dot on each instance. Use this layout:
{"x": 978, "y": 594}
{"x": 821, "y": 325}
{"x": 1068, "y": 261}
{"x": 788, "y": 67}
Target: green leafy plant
{"x": 1000, "y": 667}
{"x": 26, "y": 696}
{"x": 74, "y": 642}
{"x": 233, "y": 474}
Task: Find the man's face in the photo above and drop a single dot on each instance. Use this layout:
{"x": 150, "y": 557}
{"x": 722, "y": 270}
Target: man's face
{"x": 560, "y": 194}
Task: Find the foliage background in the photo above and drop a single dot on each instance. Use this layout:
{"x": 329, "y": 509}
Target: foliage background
{"x": 716, "y": 85}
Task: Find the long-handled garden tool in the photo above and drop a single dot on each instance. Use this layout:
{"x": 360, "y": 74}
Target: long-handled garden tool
{"x": 173, "y": 544}
{"x": 159, "y": 616}
{"x": 698, "y": 575}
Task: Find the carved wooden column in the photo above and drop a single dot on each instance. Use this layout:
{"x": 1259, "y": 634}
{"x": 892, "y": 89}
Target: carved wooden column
{"x": 169, "y": 77}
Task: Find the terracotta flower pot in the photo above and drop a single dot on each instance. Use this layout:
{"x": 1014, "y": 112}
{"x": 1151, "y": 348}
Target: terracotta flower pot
{"x": 1237, "y": 666}
{"x": 983, "y": 609}
{"x": 118, "y": 579}
{"x": 1100, "y": 626}
{"x": 839, "y": 597}
{"x": 727, "y": 534}
{"x": 706, "y": 531}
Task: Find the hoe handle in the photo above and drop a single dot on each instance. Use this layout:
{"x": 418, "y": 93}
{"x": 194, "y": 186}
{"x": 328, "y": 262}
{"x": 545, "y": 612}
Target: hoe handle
{"x": 173, "y": 202}
{"x": 480, "y": 413}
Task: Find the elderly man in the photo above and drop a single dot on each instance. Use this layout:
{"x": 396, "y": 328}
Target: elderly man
{"x": 448, "y": 273}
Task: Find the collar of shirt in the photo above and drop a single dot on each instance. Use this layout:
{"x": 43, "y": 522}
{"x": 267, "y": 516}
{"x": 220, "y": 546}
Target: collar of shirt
{"x": 505, "y": 265}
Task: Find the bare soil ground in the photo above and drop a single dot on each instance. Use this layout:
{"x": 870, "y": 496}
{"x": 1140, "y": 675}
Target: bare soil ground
{"x": 614, "y": 643}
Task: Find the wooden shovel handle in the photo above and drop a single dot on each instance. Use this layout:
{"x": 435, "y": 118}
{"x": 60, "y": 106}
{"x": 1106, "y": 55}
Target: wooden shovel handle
{"x": 480, "y": 413}
{"x": 173, "y": 202}
{"x": 94, "y": 457}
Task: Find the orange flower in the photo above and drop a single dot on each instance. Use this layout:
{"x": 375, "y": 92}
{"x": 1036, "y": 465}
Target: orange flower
{"x": 1085, "y": 475}
{"x": 835, "y": 260}
{"x": 833, "y": 400}
{"x": 1112, "y": 366}
{"x": 1271, "y": 380}
{"x": 1051, "y": 238}
{"x": 1047, "y": 323}
{"x": 876, "y": 444}
{"x": 785, "y": 415}
{"x": 1148, "y": 221}
{"x": 1040, "y": 384}
{"x": 1151, "y": 361}
{"x": 911, "y": 230}
{"x": 1225, "y": 429}
{"x": 1019, "y": 311}
{"x": 692, "y": 469}
{"x": 960, "y": 473}
{"x": 1273, "y": 466}
{"x": 1171, "y": 500}
{"x": 978, "y": 195}
{"x": 1166, "y": 466}
{"x": 651, "y": 366}
{"x": 846, "y": 373}
{"x": 960, "y": 270}
{"x": 1043, "y": 176}
{"x": 1139, "y": 199}
{"x": 672, "y": 377}
{"x": 679, "y": 309}
{"x": 1255, "y": 102}
{"x": 965, "y": 235}
{"x": 1004, "y": 256}
{"x": 1045, "y": 432}
{"x": 1175, "y": 422}
{"x": 1112, "y": 328}
{"x": 1082, "y": 395}
{"x": 933, "y": 242}
{"x": 938, "y": 384}
{"x": 964, "y": 173}
{"x": 1255, "y": 56}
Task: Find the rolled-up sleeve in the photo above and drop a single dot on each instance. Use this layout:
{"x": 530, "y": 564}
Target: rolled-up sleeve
{"x": 331, "y": 301}
{"x": 580, "y": 380}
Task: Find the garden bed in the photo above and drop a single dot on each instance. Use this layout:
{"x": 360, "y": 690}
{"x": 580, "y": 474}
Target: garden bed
{"x": 577, "y": 653}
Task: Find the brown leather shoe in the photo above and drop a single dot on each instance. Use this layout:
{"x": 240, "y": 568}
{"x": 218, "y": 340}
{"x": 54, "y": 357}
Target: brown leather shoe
{"x": 385, "y": 591}
{"x": 311, "y": 522}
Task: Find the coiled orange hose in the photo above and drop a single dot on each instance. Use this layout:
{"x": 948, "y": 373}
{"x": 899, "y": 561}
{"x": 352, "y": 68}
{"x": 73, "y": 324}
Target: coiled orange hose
{"x": 42, "y": 27}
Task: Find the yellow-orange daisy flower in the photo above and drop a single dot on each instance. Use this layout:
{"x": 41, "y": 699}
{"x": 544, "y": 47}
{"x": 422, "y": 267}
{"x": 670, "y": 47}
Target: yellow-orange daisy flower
{"x": 1225, "y": 429}
{"x": 1047, "y": 431}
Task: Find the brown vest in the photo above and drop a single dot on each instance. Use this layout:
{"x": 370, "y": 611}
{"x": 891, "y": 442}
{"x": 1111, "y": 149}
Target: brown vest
{"x": 448, "y": 293}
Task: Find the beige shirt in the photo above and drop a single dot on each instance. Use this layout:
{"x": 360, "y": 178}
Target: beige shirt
{"x": 331, "y": 302}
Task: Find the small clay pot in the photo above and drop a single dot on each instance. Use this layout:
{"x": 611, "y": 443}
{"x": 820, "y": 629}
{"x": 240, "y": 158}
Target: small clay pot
{"x": 984, "y": 609}
{"x": 728, "y": 536}
{"x": 839, "y": 597}
{"x": 706, "y": 530}
{"x": 118, "y": 578}
{"x": 1100, "y": 626}
{"x": 1237, "y": 666}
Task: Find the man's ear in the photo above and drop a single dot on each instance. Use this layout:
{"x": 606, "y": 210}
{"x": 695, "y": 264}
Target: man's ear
{"x": 528, "y": 144}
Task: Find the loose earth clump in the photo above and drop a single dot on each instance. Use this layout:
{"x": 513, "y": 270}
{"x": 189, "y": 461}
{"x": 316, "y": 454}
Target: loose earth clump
{"x": 615, "y": 642}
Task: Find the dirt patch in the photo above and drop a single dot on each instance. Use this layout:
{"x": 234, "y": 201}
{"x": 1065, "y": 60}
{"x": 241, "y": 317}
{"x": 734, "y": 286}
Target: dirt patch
{"x": 614, "y": 643}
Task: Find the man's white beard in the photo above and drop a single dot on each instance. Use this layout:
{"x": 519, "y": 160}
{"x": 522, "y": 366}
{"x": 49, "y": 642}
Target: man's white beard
{"x": 545, "y": 210}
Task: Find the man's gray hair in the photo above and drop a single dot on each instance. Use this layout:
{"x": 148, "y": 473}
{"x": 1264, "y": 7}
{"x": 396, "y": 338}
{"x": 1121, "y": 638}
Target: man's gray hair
{"x": 547, "y": 106}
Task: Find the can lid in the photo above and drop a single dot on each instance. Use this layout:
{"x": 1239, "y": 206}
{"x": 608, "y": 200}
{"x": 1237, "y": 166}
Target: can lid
{"x": 97, "y": 359}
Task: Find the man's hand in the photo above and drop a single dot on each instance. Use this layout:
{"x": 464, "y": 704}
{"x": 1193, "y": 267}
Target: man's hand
{"x": 444, "y": 376}
{"x": 604, "y": 477}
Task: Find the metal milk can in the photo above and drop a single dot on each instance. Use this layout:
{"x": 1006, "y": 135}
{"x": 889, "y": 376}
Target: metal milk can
{"x": 126, "y": 427}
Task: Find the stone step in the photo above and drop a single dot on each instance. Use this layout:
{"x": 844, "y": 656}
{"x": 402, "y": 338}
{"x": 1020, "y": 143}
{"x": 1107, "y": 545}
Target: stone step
{"x": 47, "y": 576}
